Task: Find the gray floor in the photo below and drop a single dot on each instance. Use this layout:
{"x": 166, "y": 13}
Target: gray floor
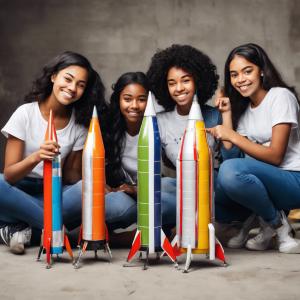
{"x": 250, "y": 275}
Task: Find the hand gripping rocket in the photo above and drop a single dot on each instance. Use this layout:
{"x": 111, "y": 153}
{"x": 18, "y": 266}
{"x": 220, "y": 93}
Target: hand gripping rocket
{"x": 195, "y": 215}
{"x": 93, "y": 234}
{"x": 149, "y": 236}
{"x": 54, "y": 239}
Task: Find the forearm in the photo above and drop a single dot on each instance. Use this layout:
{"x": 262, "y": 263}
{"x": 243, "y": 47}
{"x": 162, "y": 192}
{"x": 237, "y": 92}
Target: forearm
{"x": 257, "y": 151}
{"x": 227, "y": 122}
{"x": 19, "y": 170}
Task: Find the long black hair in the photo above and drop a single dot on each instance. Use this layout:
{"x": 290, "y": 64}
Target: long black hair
{"x": 188, "y": 58}
{"x": 117, "y": 130}
{"x": 93, "y": 93}
{"x": 271, "y": 77}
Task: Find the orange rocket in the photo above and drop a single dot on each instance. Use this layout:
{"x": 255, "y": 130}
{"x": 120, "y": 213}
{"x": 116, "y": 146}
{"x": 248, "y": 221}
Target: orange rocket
{"x": 54, "y": 238}
{"x": 93, "y": 233}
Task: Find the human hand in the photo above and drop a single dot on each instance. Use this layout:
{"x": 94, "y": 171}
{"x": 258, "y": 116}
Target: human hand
{"x": 221, "y": 132}
{"x": 126, "y": 188}
{"x": 48, "y": 150}
{"x": 222, "y": 103}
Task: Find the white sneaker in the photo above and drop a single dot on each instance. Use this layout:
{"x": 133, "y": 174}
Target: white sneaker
{"x": 263, "y": 239}
{"x": 240, "y": 239}
{"x": 286, "y": 244}
{"x": 16, "y": 236}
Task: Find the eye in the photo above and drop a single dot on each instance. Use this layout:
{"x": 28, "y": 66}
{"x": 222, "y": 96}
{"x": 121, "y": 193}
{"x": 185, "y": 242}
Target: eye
{"x": 68, "y": 79}
{"x": 171, "y": 83}
{"x": 247, "y": 72}
{"x": 81, "y": 85}
{"x": 186, "y": 80}
{"x": 143, "y": 99}
{"x": 127, "y": 99}
{"x": 233, "y": 75}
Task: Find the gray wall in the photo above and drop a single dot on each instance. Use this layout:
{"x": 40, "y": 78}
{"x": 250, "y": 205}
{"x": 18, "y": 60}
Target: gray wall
{"x": 122, "y": 35}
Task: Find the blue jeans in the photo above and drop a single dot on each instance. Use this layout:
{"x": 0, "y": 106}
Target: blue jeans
{"x": 23, "y": 202}
{"x": 121, "y": 209}
{"x": 246, "y": 185}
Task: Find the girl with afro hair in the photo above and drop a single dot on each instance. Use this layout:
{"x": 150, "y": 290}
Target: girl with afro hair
{"x": 176, "y": 74}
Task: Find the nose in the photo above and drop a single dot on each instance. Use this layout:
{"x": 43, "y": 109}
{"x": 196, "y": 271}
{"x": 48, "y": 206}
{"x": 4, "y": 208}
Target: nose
{"x": 134, "y": 104}
{"x": 240, "y": 77}
{"x": 72, "y": 86}
{"x": 179, "y": 87}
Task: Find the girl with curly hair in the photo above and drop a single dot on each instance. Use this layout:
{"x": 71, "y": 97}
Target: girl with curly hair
{"x": 127, "y": 105}
{"x": 176, "y": 74}
{"x": 69, "y": 87}
{"x": 265, "y": 116}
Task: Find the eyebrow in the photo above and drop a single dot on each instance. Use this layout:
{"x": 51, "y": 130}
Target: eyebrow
{"x": 182, "y": 77}
{"x": 74, "y": 77}
{"x": 242, "y": 69}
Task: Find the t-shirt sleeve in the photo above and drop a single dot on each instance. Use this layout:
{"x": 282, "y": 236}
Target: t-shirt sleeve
{"x": 16, "y": 125}
{"x": 80, "y": 138}
{"x": 285, "y": 108}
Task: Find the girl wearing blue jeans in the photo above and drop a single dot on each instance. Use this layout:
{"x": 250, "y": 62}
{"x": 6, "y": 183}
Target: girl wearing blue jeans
{"x": 70, "y": 88}
{"x": 127, "y": 105}
{"x": 261, "y": 114}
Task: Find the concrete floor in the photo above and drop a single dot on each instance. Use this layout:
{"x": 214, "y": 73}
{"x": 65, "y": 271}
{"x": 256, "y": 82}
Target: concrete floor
{"x": 250, "y": 275}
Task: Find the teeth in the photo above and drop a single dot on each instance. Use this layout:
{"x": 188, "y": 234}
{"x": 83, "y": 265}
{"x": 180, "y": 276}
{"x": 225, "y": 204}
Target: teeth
{"x": 68, "y": 95}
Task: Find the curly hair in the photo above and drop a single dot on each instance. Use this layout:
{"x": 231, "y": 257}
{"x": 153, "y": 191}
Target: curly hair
{"x": 272, "y": 78}
{"x": 117, "y": 130}
{"x": 188, "y": 58}
{"x": 93, "y": 94}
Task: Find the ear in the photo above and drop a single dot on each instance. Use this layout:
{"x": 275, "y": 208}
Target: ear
{"x": 53, "y": 76}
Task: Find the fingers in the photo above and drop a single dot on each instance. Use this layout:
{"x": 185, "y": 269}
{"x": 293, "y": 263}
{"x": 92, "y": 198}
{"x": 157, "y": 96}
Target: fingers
{"x": 50, "y": 146}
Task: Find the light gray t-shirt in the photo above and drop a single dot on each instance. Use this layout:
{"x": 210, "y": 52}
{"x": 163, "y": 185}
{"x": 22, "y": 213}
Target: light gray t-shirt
{"x": 279, "y": 106}
{"x": 28, "y": 125}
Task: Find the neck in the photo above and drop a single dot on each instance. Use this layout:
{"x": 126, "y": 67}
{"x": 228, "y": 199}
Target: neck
{"x": 258, "y": 97}
{"x": 184, "y": 110}
{"x": 58, "y": 109}
{"x": 133, "y": 128}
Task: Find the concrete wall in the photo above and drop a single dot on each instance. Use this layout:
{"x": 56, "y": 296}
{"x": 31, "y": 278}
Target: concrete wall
{"x": 119, "y": 36}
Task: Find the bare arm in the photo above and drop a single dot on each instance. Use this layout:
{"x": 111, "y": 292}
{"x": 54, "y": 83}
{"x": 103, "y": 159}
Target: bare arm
{"x": 272, "y": 154}
{"x": 72, "y": 169}
{"x": 15, "y": 167}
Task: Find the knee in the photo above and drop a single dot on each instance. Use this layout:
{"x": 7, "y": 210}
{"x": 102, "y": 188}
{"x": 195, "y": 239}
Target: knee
{"x": 3, "y": 182}
{"x": 168, "y": 184}
{"x": 229, "y": 173}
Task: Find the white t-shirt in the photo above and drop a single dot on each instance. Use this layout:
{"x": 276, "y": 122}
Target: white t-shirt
{"x": 171, "y": 128}
{"x": 278, "y": 106}
{"x": 28, "y": 125}
{"x": 129, "y": 157}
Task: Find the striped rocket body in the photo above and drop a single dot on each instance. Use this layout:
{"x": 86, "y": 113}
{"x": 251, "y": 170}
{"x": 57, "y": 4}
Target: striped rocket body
{"x": 149, "y": 184}
{"x": 93, "y": 184}
{"x": 149, "y": 235}
{"x": 195, "y": 229}
{"x": 53, "y": 226}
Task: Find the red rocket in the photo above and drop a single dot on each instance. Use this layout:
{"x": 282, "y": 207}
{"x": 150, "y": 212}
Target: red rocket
{"x": 54, "y": 239}
{"x": 195, "y": 215}
{"x": 93, "y": 233}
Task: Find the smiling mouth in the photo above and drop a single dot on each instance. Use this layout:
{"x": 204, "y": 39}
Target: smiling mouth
{"x": 244, "y": 88}
{"x": 68, "y": 95}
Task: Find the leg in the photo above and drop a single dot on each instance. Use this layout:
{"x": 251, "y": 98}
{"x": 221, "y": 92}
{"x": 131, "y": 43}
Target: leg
{"x": 120, "y": 210}
{"x": 16, "y": 206}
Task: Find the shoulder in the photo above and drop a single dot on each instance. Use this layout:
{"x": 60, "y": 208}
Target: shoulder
{"x": 281, "y": 93}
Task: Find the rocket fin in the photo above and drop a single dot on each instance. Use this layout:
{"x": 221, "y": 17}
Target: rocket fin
{"x": 175, "y": 246}
{"x": 106, "y": 234}
{"x": 167, "y": 247}
{"x": 220, "y": 251}
{"x": 136, "y": 245}
{"x": 68, "y": 246}
{"x": 48, "y": 252}
{"x": 80, "y": 235}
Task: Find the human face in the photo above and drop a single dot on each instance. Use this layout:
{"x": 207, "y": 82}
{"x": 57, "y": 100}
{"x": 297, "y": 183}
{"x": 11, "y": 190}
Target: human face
{"x": 69, "y": 84}
{"x": 133, "y": 101}
{"x": 181, "y": 87}
{"x": 245, "y": 77}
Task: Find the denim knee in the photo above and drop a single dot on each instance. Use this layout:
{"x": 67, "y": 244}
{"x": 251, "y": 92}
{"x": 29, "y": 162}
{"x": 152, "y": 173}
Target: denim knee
{"x": 230, "y": 170}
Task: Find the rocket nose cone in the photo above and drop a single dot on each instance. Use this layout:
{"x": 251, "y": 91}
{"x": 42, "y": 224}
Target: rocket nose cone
{"x": 150, "y": 111}
{"x": 95, "y": 115}
{"x": 195, "y": 111}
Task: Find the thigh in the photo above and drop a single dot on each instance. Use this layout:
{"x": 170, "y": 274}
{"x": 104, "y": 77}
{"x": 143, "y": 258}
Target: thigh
{"x": 282, "y": 186}
{"x": 117, "y": 204}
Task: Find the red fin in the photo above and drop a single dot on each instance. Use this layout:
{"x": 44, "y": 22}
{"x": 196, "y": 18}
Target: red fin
{"x": 136, "y": 245}
{"x": 167, "y": 247}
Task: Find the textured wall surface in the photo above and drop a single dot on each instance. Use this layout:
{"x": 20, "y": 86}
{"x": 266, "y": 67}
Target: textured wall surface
{"x": 120, "y": 36}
